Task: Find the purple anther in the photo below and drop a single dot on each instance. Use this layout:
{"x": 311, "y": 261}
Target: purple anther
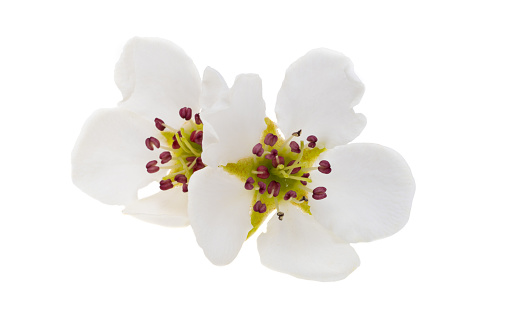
{"x": 175, "y": 144}
{"x": 312, "y": 139}
{"x": 165, "y": 157}
{"x": 198, "y": 121}
{"x": 294, "y": 170}
{"x": 184, "y": 188}
{"x": 258, "y": 150}
{"x": 270, "y": 139}
{"x": 198, "y": 165}
{"x": 319, "y": 193}
{"x": 324, "y": 167}
{"x": 197, "y": 137}
{"x": 166, "y": 184}
{"x": 259, "y": 207}
{"x": 264, "y": 172}
{"x": 262, "y": 187}
{"x": 181, "y": 178}
{"x": 290, "y": 194}
{"x": 152, "y": 143}
{"x": 152, "y": 167}
{"x": 185, "y": 113}
{"x": 273, "y": 154}
{"x": 159, "y": 124}
{"x": 249, "y": 183}
{"x": 305, "y": 175}
{"x": 294, "y": 147}
{"x": 273, "y": 188}
{"x": 278, "y": 161}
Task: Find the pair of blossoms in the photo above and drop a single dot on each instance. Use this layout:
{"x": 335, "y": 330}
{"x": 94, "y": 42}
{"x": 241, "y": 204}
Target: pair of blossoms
{"x": 220, "y": 161}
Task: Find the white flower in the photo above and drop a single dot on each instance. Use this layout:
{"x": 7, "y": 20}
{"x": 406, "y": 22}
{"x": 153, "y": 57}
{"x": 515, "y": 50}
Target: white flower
{"x": 327, "y": 194}
{"x": 123, "y": 149}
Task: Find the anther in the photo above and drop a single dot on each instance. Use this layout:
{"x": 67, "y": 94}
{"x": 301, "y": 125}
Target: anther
{"x": 272, "y": 155}
{"x": 290, "y": 194}
{"x": 262, "y": 187}
{"x": 259, "y": 207}
{"x": 312, "y": 139}
{"x": 319, "y": 193}
{"x": 258, "y": 150}
{"x": 294, "y": 147}
{"x": 199, "y": 164}
{"x": 297, "y": 133}
{"x": 181, "y": 178}
{"x": 324, "y": 167}
{"x": 306, "y": 175}
{"x": 175, "y": 144}
{"x": 273, "y": 188}
{"x": 198, "y": 121}
{"x": 184, "y": 188}
{"x": 159, "y": 124}
{"x": 303, "y": 199}
{"x": 262, "y": 172}
{"x": 185, "y": 113}
{"x": 249, "y": 183}
{"x": 295, "y": 170}
{"x": 197, "y": 137}
{"x": 280, "y": 215}
{"x": 270, "y": 139}
{"x": 152, "y": 167}
{"x": 165, "y": 157}
{"x": 152, "y": 143}
{"x": 278, "y": 161}
{"x": 166, "y": 184}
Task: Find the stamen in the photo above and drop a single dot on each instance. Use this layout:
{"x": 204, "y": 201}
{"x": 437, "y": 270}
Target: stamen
{"x": 166, "y": 184}
{"x": 305, "y": 175}
{"x": 312, "y": 139}
{"x": 184, "y": 188}
{"x": 290, "y": 194}
{"x": 295, "y": 170}
{"x": 187, "y": 144}
{"x": 181, "y": 178}
{"x": 273, "y": 188}
{"x": 197, "y": 137}
{"x": 165, "y": 157}
{"x": 319, "y": 193}
{"x": 270, "y": 139}
{"x": 258, "y": 150}
{"x": 273, "y": 154}
{"x": 278, "y": 161}
{"x": 259, "y": 207}
{"x": 262, "y": 172}
{"x": 262, "y": 187}
{"x": 185, "y": 113}
{"x": 294, "y": 147}
{"x": 324, "y": 167}
{"x": 198, "y": 121}
{"x": 159, "y": 124}
{"x": 249, "y": 183}
{"x": 152, "y": 167}
{"x": 152, "y": 143}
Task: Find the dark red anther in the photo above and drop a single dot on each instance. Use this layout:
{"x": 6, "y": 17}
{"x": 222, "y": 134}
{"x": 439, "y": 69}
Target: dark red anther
{"x": 294, "y": 170}
{"x": 294, "y": 147}
{"x": 159, "y": 124}
{"x": 290, "y": 194}
{"x": 273, "y": 188}
{"x": 197, "y": 137}
{"x": 165, "y": 157}
{"x": 312, "y": 139}
{"x": 270, "y": 139}
{"x": 262, "y": 187}
{"x": 152, "y": 167}
{"x": 278, "y": 161}
{"x": 198, "y": 121}
{"x": 181, "y": 178}
{"x": 264, "y": 172}
{"x": 305, "y": 175}
{"x": 152, "y": 143}
{"x": 273, "y": 154}
{"x": 324, "y": 167}
{"x": 249, "y": 183}
{"x": 184, "y": 188}
{"x": 185, "y": 113}
{"x": 258, "y": 150}
{"x": 199, "y": 164}
{"x": 319, "y": 193}
{"x": 259, "y": 207}
{"x": 175, "y": 144}
{"x": 166, "y": 184}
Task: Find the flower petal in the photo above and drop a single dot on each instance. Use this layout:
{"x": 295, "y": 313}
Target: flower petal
{"x": 109, "y": 158}
{"x": 300, "y": 246}
{"x": 370, "y": 191}
{"x": 165, "y": 208}
{"x": 157, "y": 79}
{"x": 219, "y": 211}
{"x": 318, "y": 95}
{"x": 214, "y": 90}
{"x": 235, "y": 122}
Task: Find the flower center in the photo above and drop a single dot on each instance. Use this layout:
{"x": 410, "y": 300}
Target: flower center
{"x": 182, "y": 154}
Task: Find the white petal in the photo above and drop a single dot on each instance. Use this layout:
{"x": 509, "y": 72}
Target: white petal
{"x": 165, "y": 208}
{"x": 110, "y": 156}
{"x": 300, "y": 246}
{"x": 157, "y": 79}
{"x": 235, "y": 122}
{"x": 369, "y": 192}
{"x": 219, "y": 211}
{"x": 214, "y": 90}
{"x": 318, "y": 95}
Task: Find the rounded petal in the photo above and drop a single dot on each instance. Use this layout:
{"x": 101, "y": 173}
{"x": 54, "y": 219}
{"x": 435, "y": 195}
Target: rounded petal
{"x": 370, "y": 192}
{"x": 234, "y": 122}
{"x": 157, "y": 79}
{"x": 318, "y": 95}
{"x": 109, "y": 158}
{"x": 219, "y": 211}
{"x": 214, "y": 90}
{"x": 300, "y": 246}
{"x": 165, "y": 208}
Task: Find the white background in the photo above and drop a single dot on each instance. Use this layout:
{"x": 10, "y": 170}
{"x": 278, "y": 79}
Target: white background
{"x": 442, "y": 81}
